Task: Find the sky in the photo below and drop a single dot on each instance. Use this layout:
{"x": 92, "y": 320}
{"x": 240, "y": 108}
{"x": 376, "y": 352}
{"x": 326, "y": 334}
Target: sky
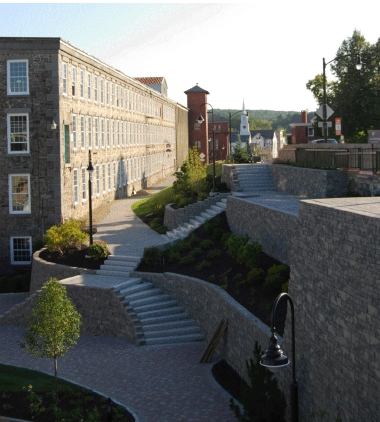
{"x": 262, "y": 53}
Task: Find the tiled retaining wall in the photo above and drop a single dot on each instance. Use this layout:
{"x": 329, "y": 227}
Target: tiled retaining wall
{"x": 42, "y": 271}
{"x": 176, "y": 217}
{"x": 208, "y": 305}
{"x": 273, "y": 229}
{"x": 309, "y": 183}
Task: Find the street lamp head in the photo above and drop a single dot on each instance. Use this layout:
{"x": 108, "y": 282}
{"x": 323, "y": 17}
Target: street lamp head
{"x": 90, "y": 167}
{"x": 274, "y": 357}
{"x": 359, "y": 63}
{"x": 200, "y": 119}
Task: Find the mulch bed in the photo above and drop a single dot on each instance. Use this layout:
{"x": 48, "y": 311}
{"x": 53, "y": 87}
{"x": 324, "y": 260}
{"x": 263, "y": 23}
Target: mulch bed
{"x": 73, "y": 258}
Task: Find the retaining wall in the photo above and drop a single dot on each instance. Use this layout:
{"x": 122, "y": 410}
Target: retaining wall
{"x": 176, "y": 217}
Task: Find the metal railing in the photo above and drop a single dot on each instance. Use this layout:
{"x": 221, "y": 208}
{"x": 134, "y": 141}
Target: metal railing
{"x": 365, "y": 159}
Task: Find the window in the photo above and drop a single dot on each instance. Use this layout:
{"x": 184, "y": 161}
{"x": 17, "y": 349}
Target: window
{"x": 310, "y": 131}
{"x": 109, "y": 176}
{"x": 73, "y": 81}
{"x": 18, "y": 133}
{"x": 108, "y": 134}
{"x": 112, "y": 94}
{"x": 82, "y": 83}
{"x": 107, "y": 92}
{"x": 89, "y": 122}
{"x": 19, "y": 193}
{"x": 89, "y": 86}
{"x": 97, "y": 176}
{"x": 75, "y": 132}
{"x": 96, "y": 129}
{"x": 82, "y": 132}
{"x": 64, "y": 78}
{"x": 102, "y": 90}
{"x": 17, "y": 77}
{"x": 104, "y": 177}
{"x": 21, "y": 250}
{"x": 96, "y": 89}
{"x": 75, "y": 183}
{"x": 102, "y": 133}
{"x": 84, "y": 185}
{"x": 114, "y": 175}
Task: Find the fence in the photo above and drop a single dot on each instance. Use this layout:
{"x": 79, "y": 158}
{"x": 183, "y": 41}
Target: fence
{"x": 353, "y": 158}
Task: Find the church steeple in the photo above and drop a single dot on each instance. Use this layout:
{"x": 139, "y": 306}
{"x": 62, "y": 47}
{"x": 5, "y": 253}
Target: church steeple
{"x": 244, "y": 125}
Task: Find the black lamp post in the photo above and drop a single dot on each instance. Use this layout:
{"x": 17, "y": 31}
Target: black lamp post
{"x": 358, "y": 66}
{"x": 90, "y": 170}
{"x": 200, "y": 120}
{"x": 274, "y": 358}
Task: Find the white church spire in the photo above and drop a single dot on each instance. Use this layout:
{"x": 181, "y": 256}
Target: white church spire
{"x": 244, "y": 125}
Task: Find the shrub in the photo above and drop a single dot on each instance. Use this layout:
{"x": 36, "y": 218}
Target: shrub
{"x": 203, "y": 266}
{"x": 206, "y": 244}
{"x": 214, "y": 254}
{"x": 276, "y": 277}
{"x": 187, "y": 260}
{"x": 184, "y": 246}
{"x": 196, "y": 252}
{"x": 218, "y": 233}
{"x": 235, "y": 244}
{"x": 251, "y": 254}
{"x": 225, "y": 237}
{"x": 262, "y": 400}
{"x": 173, "y": 254}
{"x": 194, "y": 240}
{"x": 202, "y": 196}
{"x": 210, "y": 225}
{"x": 66, "y": 236}
{"x": 98, "y": 250}
{"x": 152, "y": 256}
{"x": 256, "y": 277}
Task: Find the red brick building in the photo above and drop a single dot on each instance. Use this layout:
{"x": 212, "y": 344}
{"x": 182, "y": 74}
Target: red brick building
{"x": 302, "y": 132}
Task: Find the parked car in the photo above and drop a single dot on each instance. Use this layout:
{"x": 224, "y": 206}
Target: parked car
{"x": 322, "y": 141}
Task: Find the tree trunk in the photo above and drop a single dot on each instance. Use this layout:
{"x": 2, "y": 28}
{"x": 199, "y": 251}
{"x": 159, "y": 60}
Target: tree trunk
{"x": 55, "y": 378}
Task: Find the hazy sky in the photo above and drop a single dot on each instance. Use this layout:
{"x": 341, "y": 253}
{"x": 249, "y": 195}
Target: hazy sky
{"x": 262, "y": 52}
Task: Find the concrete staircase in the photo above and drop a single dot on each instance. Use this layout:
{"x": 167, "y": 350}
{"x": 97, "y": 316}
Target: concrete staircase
{"x": 119, "y": 266}
{"x": 158, "y": 319}
{"x": 186, "y": 228}
{"x": 253, "y": 178}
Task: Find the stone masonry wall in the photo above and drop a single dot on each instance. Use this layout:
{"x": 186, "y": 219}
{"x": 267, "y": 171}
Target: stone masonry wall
{"x": 208, "y": 305}
{"x": 335, "y": 287}
{"x": 176, "y": 217}
{"x": 273, "y": 229}
{"x": 42, "y": 271}
{"x": 309, "y": 183}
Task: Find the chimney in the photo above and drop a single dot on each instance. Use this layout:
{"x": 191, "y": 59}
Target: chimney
{"x": 303, "y": 116}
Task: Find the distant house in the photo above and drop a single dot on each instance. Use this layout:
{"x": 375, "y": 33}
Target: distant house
{"x": 302, "y": 132}
{"x": 158, "y": 83}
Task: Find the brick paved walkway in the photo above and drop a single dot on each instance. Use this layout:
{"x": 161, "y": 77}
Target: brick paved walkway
{"x": 157, "y": 384}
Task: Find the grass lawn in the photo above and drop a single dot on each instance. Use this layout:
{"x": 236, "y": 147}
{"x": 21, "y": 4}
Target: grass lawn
{"x": 154, "y": 203}
{"x": 27, "y": 394}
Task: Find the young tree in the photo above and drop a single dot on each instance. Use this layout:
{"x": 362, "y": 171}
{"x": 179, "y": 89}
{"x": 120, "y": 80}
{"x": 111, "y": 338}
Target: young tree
{"x": 240, "y": 154}
{"x": 262, "y": 401}
{"x": 54, "y": 325}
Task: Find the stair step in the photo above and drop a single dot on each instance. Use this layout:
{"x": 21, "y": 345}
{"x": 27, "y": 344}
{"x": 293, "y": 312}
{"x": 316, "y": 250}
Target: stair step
{"x": 170, "y": 325}
{"x": 113, "y": 273}
{"x": 159, "y": 298}
{"x": 118, "y": 268}
{"x": 174, "y": 339}
{"x": 142, "y": 294}
{"x": 148, "y": 307}
{"x": 122, "y": 264}
{"x": 128, "y": 283}
{"x": 171, "y": 332}
{"x": 162, "y": 318}
{"x": 158, "y": 313}
{"x": 124, "y": 258}
{"x": 138, "y": 287}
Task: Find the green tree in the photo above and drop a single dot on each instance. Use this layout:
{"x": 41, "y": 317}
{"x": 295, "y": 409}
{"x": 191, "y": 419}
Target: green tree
{"x": 240, "y": 154}
{"x": 354, "y": 95}
{"x": 262, "y": 400}
{"x": 54, "y": 325}
{"x": 191, "y": 179}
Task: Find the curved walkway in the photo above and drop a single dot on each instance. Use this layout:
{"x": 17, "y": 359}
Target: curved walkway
{"x": 156, "y": 383}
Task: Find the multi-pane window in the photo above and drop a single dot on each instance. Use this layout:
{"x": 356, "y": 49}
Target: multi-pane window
{"x": 112, "y": 94}
{"x": 75, "y": 186}
{"x": 89, "y": 86}
{"x": 96, "y": 94}
{"x": 64, "y": 78}
{"x": 114, "y": 175}
{"x": 82, "y": 83}
{"x": 109, "y": 176}
{"x": 75, "y": 132}
{"x": 19, "y": 194}
{"x": 102, "y": 90}
{"x": 96, "y": 131}
{"x": 84, "y": 185}
{"x": 73, "y": 81}
{"x": 82, "y": 132}
{"x": 89, "y": 131}
{"x": 97, "y": 176}
{"x": 21, "y": 250}
{"x": 108, "y": 134}
{"x": 104, "y": 177}
{"x": 17, "y": 77}
{"x": 18, "y": 133}
{"x": 107, "y": 92}
{"x": 113, "y": 132}
{"x": 102, "y": 133}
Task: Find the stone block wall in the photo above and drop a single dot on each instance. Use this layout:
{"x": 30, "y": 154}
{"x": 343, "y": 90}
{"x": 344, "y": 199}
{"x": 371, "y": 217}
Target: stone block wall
{"x": 42, "y": 271}
{"x": 273, "y": 229}
{"x": 176, "y": 217}
{"x": 309, "y": 183}
{"x": 336, "y": 291}
{"x": 208, "y": 305}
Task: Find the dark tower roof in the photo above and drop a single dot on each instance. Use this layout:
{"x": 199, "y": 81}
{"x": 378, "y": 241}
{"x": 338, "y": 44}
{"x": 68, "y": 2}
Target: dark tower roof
{"x": 196, "y": 88}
